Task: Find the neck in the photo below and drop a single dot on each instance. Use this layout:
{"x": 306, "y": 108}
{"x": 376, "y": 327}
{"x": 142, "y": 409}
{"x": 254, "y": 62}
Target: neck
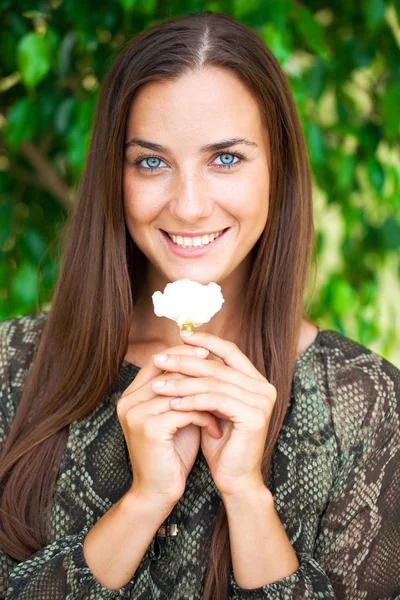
{"x": 148, "y": 328}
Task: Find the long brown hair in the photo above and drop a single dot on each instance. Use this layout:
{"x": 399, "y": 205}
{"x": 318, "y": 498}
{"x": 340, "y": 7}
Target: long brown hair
{"x": 102, "y": 271}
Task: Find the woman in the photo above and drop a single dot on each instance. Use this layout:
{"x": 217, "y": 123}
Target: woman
{"x": 278, "y": 474}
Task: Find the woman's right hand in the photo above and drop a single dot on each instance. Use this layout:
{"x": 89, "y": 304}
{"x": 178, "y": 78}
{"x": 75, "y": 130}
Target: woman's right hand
{"x": 162, "y": 443}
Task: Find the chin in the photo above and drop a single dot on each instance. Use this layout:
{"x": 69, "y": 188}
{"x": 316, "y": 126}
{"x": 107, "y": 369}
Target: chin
{"x": 193, "y": 276}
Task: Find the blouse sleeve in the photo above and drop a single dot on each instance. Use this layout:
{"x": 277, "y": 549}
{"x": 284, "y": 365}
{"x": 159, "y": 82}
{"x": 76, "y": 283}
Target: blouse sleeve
{"x": 57, "y": 571}
{"x": 357, "y": 548}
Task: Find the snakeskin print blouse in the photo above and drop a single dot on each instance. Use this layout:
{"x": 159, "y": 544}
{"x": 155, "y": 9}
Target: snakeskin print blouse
{"x": 335, "y": 481}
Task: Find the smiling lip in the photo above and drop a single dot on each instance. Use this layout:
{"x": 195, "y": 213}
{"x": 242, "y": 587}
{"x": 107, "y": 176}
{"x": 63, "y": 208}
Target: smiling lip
{"x": 191, "y": 252}
{"x": 194, "y": 233}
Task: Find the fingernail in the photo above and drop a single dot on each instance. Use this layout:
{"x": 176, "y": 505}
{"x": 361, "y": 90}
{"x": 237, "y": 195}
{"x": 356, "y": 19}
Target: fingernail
{"x": 186, "y": 332}
{"x": 201, "y": 351}
{"x": 160, "y": 357}
{"x": 176, "y": 400}
{"x": 158, "y": 384}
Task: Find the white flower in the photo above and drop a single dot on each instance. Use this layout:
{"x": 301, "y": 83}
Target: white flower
{"x": 188, "y": 302}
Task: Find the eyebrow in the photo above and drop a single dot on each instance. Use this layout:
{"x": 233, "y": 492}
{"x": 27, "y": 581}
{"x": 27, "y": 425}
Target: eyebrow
{"x": 135, "y": 141}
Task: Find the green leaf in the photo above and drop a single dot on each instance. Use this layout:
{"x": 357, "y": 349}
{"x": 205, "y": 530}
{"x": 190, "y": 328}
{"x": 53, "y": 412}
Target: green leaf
{"x": 346, "y": 172}
{"x": 242, "y": 7}
{"x": 315, "y": 142}
{"x": 315, "y": 79}
{"x": 343, "y": 297}
{"x": 339, "y": 294}
{"x": 32, "y": 244}
{"x": 370, "y": 136}
{"x": 368, "y": 329}
{"x": 393, "y": 199}
{"x": 374, "y": 12}
{"x": 21, "y": 122}
{"x": 376, "y": 174}
{"x": 3, "y": 186}
{"x": 147, "y": 7}
{"x": 311, "y": 30}
{"x": 5, "y": 220}
{"x": 109, "y": 16}
{"x": 33, "y": 58}
{"x": 372, "y": 238}
{"x": 127, "y": 5}
{"x": 8, "y": 46}
{"x": 18, "y": 25}
{"x": 87, "y": 41}
{"x": 66, "y": 52}
{"x": 85, "y": 113}
{"x": 63, "y": 115}
{"x": 389, "y": 106}
{"x": 278, "y": 12}
{"x": 23, "y": 285}
{"x": 396, "y": 5}
{"x": 77, "y": 145}
{"x": 53, "y": 39}
{"x": 391, "y": 234}
{"x": 361, "y": 52}
{"x": 275, "y": 40}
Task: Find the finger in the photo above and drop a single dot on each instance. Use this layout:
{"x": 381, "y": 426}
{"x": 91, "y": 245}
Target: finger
{"x": 150, "y": 370}
{"x": 194, "y": 367}
{"x": 168, "y": 423}
{"x": 142, "y": 394}
{"x": 231, "y": 409}
{"x": 144, "y": 376}
{"x": 189, "y": 386}
{"x": 154, "y": 407}
{"x": 161, "y": 405}
{"x": 227, "y": 351}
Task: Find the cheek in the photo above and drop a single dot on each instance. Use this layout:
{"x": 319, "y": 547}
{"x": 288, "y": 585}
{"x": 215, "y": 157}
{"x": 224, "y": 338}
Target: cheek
{"x": 141, "y": 204}
{"x": 252, "y": 200}
{"x": 259, "y": 205}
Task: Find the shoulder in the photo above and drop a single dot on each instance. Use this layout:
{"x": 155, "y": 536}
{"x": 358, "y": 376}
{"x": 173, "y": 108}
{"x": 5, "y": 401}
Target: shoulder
{"x": 19, "y": 338}
{"x": 23, "y": 326}
{"x": 359, "y": 388}
{"x": 351, "y": 365}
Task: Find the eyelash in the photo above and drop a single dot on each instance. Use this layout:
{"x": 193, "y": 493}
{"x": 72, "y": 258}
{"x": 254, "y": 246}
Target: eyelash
{"x": 139, "y": 159}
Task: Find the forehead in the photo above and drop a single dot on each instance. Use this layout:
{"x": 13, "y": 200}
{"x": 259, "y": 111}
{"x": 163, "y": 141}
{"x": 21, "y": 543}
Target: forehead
{"x": 208, "y": 102}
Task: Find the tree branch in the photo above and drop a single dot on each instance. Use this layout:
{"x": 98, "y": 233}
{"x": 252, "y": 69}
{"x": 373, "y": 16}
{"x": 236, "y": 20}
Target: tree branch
{"x": 46, "y": 176}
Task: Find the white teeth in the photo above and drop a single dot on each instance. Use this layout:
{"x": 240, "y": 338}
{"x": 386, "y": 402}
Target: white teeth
{"x": 197, "y": 241}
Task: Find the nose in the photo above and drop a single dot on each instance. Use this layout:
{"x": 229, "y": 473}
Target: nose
{"x": 191, "y": 199}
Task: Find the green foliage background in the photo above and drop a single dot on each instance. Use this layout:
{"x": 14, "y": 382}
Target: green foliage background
{"x": 343, "y": 63}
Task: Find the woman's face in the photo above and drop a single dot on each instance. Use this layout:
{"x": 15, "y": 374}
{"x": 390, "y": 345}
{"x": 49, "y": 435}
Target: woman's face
{"x": 182, "y": 187}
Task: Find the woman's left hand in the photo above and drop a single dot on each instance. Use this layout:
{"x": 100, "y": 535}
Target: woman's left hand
{"x": 237, "y": 394}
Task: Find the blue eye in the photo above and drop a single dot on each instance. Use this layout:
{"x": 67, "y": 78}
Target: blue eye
{"x": 223, "y": 157}
{"x": 153, "y": 160}
{"x": 151, "y": 165}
